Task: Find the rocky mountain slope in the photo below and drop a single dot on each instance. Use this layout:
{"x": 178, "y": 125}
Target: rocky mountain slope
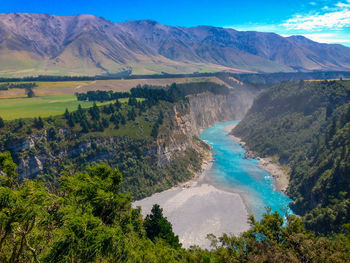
{"x": 33, "y": 44}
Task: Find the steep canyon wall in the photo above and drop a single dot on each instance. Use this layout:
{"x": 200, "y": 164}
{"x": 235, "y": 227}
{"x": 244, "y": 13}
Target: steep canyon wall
{"x": 188, "y": 119}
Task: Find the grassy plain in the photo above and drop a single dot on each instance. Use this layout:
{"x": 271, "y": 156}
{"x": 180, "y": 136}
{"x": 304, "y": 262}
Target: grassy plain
{"x": 46, "y": 89}
{"x": 39, "y": 106}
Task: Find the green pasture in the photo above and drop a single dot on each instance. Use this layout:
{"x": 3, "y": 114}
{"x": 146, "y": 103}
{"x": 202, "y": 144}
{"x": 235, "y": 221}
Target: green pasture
{"x": 40, "y": 106}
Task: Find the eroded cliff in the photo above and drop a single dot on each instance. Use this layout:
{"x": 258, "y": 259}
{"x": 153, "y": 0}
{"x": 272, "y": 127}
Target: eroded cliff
{"x": 200, "y": 112}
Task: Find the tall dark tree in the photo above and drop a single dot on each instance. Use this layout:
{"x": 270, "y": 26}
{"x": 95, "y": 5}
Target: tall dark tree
{"x": 155, "y": 130}
{"x": 84, "y": 126}
{"x": 30, "y": 93}
{"x": 132, "y": 101}
{"x": 105, "y": 122}
{"x": 80, "y": 114}
{"x": 20, "y": 124}
{"x": 122, "y": 119}
{"x": 2, "y": 124}
{"x": 106, "y": 109}
{"x": 38, "y": 123}
{"x": 111, "y": 108}
{"x": 132, "y": 114}
{"x": 94, "y": 112}
{"x": 117, "y": 105}
{"x": 66, "y": 114}
{"x": 71, "y": 120}
{"x": 157, "y": 226}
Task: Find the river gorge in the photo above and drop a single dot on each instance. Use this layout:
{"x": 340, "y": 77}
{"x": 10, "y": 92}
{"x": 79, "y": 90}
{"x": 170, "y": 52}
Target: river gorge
{"x": 220, "y": 200}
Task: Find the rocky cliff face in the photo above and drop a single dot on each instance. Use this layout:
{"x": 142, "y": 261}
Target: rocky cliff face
{"x": 207, "y": 109}
{"x": 201, "y": 111}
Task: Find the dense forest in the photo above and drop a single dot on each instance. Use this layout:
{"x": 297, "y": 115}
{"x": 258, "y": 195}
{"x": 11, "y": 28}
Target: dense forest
{"x": 306, "y": 125}
{"x": 87, "y": 218}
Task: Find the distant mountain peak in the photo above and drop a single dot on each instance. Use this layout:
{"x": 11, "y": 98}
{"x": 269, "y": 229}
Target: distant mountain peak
{"x": 32, "y": 44}
{"x": 301, "y": 39}
{"x": 149, "y": 22}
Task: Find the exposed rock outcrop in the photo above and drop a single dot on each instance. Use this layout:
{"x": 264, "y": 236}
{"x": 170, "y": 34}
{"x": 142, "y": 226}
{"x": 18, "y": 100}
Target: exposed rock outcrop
{"x": 202, "y": 111}
{"x": 207, "y": 109}
{"x": 32, "y": 166}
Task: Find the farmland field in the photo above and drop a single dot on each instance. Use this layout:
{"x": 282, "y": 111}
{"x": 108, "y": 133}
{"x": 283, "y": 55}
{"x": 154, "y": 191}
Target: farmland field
{"x": 45, "y": 89}
{"x": 39, "y": 106}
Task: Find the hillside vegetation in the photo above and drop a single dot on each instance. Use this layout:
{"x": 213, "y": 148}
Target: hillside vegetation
{"x": 129, "y": 136}
{"x": 307, "y": 125}
{"x": 88, "y": 219}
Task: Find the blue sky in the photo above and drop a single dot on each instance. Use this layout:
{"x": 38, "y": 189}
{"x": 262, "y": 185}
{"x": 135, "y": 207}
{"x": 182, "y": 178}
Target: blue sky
{"x": 326, "y": 21}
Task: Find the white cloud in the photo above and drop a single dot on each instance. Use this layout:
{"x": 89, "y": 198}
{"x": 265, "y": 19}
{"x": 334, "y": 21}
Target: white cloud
{"x": 331, "y": 24}
{"x": 327, "y": 38}
{"x": 336, "y": 18}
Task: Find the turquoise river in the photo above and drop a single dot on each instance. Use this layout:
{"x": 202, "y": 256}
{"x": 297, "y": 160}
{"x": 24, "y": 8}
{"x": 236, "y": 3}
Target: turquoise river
{"x": 232, "y": 172}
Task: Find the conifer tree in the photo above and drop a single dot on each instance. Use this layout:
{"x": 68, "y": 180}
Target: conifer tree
{"x": 157, "y": 226}
{"x": 2, "y": 124}
{"x": 84, "y": 126}
{"x": 66, "y": 114}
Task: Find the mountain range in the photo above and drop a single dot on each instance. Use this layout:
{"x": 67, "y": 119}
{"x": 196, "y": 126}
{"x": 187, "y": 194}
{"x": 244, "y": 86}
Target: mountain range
{"x": 39, "y": 44}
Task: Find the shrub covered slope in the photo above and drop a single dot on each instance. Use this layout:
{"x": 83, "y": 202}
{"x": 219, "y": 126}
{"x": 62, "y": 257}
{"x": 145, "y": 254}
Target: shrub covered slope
{"x": 307, "y": 125}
